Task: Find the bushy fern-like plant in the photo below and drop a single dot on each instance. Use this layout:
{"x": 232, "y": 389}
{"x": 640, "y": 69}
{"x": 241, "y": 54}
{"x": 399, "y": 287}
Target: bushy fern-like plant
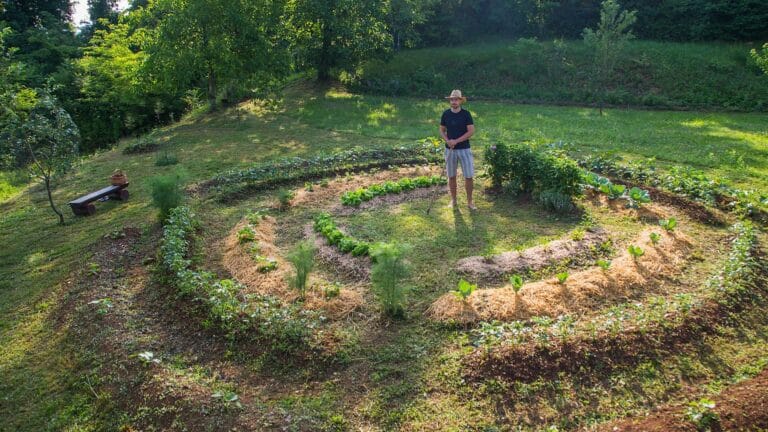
{"x": 303, "y": 259}
{"x": 388, "y": 271}
{"x": 166, "y": 194}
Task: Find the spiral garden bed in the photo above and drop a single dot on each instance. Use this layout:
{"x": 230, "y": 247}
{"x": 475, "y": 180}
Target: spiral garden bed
{"x": 631, "y": 290}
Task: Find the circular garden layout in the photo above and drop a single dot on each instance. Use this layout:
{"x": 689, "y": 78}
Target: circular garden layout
{"x": 618, "y": 278}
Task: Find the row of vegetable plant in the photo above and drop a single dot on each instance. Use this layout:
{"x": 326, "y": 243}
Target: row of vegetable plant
{"x": 644, "y": 325}
{"x": 286, "y": 328}
{"x": 325, "y": 225}
{"x": 358, "y": 196}
{"x": 685, "y": 181}
{"x": 635, "y": 196}
{"x": 265, "y": 175}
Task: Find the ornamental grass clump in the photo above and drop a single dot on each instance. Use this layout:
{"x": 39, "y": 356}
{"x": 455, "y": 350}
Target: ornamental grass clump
{"x": 388, "y": 271}
{"x": 303, "y": 259}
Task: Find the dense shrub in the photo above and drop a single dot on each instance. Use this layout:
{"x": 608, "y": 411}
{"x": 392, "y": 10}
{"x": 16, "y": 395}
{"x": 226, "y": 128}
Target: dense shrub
{"x": 552, "y": 178}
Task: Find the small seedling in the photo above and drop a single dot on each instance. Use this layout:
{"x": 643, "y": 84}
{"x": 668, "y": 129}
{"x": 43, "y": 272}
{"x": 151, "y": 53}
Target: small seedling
{"x": 308, "y": 186}
{"x": 94, "y": 269}
{"x": 603, "y": 264}
{"x": 284, "y": 197}
{"x": 254, "y": 217}
{"x": 266, "y": 265}
{"x": 701, "y": 413}
{"x": 246, "y": 235}
{"x": 227, "y": 397}
{"x": 635, "y": 251}
{"x": 464, "y": 290}
{"x": 116, "y": 234}
{"x": 324, "y": 183}
{"x": 578, "y": 234}
{"x": 331, "y": 291}
{"x": 637, "y": 197}
{"x": 517, "y": 283}
{"x": 655, "y": 237}
{"x": 102, "y": 305}
{"x": 668, "y": 224}
{"x": 562, "y": 277}
{"x": 148, "y": 357}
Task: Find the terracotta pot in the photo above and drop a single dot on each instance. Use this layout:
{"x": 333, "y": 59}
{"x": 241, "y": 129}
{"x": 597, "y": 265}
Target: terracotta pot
{"x": 118, "y": 179}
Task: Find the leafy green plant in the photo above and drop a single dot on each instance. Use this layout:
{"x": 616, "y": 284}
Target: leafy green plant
{"x": 309, "y": 187}
{"x": 102, "y": 305}
{"x": 265, "y": 264}
{"x": 284, "y": 197}
{"x": 638, "y": 197}
{"x": 655, "y": 237}
{"x": 635, "y": 251}
{"x": 144, "y": 144}
{"x": 464, "y": 289}
{"x": 603, "y": 264}
{"x": 578, "y": 234}
{"x": 388, "y": 270}
{"x": 324, "y": 183}
{"x": 668, "y": 224}
{"x": 303, "y": 259}
{"x": 562, "y": 277}
{"x": 614, "y": 191}
{"x": 517, "y": 283}
{"x": 148, "y": 357}
{"x": 331, "y": 290}
{"x": 245, "y": 235}
{"x": 702, "y": 414}
{"x": 254, "y": 217}
{"x": 227, "y": 398}
{"x": 94, "y": 268}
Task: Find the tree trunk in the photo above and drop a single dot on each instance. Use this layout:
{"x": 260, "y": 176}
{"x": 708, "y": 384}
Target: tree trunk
{"x": 211, "y": 88}
{"x": 324, "y": 62}
{"x": 50, "y": 200}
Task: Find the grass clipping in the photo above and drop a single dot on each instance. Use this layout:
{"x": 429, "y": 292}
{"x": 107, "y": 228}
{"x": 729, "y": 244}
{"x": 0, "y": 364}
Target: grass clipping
{"x": 585, "y": 290}
{"x": 239, "y": 261}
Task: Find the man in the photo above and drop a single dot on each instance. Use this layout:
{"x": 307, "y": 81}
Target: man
{"x": 456, "y": 127}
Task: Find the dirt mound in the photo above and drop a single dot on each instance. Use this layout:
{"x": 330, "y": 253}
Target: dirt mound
{"x": 626, "y": 278}
{"x": 741, "y": 407}
{"x": 532, "y": 259}
{"x": 239, "y": 261}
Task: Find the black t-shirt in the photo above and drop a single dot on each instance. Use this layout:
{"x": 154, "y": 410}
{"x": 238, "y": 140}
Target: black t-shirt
{"x": 456, "y": 125}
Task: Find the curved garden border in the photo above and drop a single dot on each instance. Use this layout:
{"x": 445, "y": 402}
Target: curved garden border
{"x": 629, "y": 336}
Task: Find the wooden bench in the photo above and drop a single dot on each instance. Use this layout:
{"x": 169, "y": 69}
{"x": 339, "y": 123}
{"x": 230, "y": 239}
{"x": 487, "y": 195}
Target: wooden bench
{"x": 83, "y": 207}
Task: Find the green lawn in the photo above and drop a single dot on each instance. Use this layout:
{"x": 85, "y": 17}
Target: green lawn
{"x": 41, "y": 387}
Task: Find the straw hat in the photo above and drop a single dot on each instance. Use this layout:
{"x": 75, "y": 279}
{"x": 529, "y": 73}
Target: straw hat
{"x": 457, "y": 94}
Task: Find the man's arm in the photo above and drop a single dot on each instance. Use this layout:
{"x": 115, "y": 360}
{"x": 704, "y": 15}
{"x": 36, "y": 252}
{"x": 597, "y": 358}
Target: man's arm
{"x": 470, "y": 131}
{"x": 444, "y": 134}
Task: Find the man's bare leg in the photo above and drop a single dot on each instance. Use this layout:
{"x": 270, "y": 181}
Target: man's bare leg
{"x": 452, "y": 189}
{"x": 469, "y": 184}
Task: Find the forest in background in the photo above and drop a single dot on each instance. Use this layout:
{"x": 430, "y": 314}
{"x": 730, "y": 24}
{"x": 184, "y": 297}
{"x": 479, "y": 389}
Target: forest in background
{"x": 129, "y": 71}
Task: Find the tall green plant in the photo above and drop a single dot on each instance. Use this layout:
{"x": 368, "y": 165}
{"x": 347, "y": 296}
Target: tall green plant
{"x": 303, "y": 259}
{"x": 607, "y": 42}
{"x": 388, "y": 271}
{"x": 166, "y": 194}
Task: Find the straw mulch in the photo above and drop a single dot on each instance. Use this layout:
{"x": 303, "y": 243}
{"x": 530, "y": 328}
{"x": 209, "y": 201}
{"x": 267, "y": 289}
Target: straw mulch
{"x": 583, "y": 291}
{"x": 349, "y": 267}
{"x": 241, "y": 265}
{"x": 337, "y": 187}
{"x": 532, "y": 259}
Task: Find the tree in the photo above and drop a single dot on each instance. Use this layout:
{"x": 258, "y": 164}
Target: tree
{"x": 328, "y": 34}
{"x": 213, "y": 44}
{"x": 403, "y": 17}
{"x": 102, "y": 13}
{"x": 761, "y": 57}
{"x": 48, "y": 137}
{"x": 607, "y": 42}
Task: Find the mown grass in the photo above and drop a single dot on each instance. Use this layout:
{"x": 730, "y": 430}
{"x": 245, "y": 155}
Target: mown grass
{"x": 41, "y": 369}
{"x": 733, "y": 146}
{"x": 712, "y": 76}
